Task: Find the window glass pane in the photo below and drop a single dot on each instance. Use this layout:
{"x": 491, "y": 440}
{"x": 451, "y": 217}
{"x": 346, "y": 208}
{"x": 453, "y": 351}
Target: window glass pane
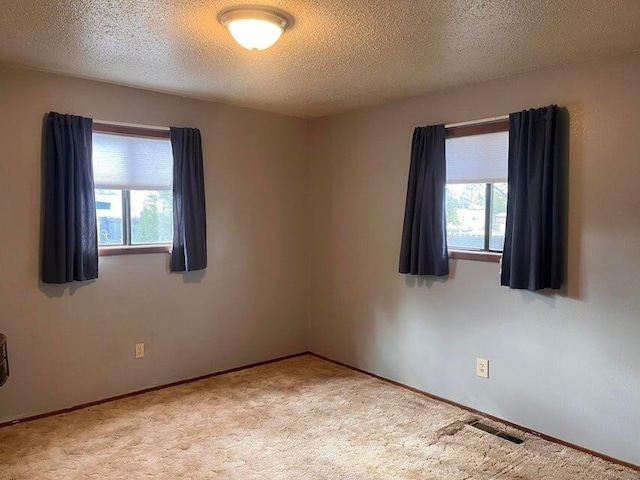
{"x": 477, "y": 158}
{"x": 151, "y": 216}
{"x": 498, "y": 216}
{"x": 130, "y": 163}
{"x": 109, "y": 214}
{"x": 466, "y": 205}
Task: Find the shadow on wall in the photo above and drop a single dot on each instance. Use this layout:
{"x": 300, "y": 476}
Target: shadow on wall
{"x": 427, "y": 281}
{"x": 573, "y": 204}
{"x": 53, "y": 290}
{"x": 193, "y": 277}
{"x": 548, "y": 297}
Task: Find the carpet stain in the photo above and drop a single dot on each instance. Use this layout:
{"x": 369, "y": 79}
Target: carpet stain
{"x": 451, "y": 429}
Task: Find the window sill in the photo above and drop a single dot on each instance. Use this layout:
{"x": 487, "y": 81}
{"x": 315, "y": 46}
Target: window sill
{"x": 133, "y": 249}
{"x": 492, "y": 257}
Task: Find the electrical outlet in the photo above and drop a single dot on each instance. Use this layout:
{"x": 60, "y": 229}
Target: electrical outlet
{"x": 139, "y": 350}
{"x": 482, "y": 367}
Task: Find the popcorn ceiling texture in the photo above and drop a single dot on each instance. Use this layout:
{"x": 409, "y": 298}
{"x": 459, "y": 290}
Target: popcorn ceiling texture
{"x": 302, "y": 418}
{"x": 339, "y": 55}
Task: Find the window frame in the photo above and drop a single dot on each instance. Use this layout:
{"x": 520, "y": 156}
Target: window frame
{"x": 486, "y": 254}
{"x": 127, "y": 248}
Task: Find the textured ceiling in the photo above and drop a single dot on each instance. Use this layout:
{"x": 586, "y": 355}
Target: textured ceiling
{"x": 338, "y": 56}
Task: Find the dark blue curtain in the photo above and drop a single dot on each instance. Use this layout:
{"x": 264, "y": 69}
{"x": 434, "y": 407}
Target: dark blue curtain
{"x": 424, "y": 238}
{"x": 533, "y": 257}
{"x": 189, "y": 215}
{"x": 70, "y": 239}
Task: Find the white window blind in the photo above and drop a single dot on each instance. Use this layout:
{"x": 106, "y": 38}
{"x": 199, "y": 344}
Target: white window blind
{"x": 132, "y": 163}
{"x": 477, "y": 158}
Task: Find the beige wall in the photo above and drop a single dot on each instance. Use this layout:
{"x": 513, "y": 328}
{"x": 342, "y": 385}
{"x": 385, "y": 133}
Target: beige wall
{"x": 76, "y": 344}
{"x": 564, "y": 364}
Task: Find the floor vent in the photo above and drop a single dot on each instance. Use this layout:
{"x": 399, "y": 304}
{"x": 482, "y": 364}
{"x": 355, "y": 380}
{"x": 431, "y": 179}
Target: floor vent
{"x": 494, "y": 431}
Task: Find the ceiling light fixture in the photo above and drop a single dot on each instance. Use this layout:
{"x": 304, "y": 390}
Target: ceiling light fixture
{"x": 254, "y": 28}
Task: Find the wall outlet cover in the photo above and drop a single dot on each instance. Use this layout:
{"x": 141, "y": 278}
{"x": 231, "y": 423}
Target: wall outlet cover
{"x": 482, "y": 367}
{"x": 139, "y": 350}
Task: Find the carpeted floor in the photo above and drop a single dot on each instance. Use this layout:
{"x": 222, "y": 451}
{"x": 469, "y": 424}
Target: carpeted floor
{"x": 302, "y": 418}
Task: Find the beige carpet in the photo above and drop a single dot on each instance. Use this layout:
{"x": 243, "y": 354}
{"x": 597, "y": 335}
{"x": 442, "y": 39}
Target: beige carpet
{"x": 302, "y": 418}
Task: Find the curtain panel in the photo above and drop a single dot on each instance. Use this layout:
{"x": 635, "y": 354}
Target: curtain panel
{"x": 70, "y": 239}
{"x": 424, "y": 239}
{"x": 533, "y": 256}
{"x": 189, "y": 214}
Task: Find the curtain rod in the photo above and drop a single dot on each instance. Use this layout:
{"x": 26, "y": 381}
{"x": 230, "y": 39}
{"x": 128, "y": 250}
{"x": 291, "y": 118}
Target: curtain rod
{"x": 475, "y": 122}
{"x": 132, "y": 125}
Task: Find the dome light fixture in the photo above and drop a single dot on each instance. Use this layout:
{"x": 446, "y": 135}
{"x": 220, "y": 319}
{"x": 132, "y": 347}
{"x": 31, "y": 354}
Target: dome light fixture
{"x": 254, "y": 28}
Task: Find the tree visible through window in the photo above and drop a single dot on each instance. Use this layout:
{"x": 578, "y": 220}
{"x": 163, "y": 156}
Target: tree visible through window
{"x": 155, "y": 221}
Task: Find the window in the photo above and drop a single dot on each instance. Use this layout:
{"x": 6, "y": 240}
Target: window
{"x": 476, "y": 192}
{"x": 133, "y": 175}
